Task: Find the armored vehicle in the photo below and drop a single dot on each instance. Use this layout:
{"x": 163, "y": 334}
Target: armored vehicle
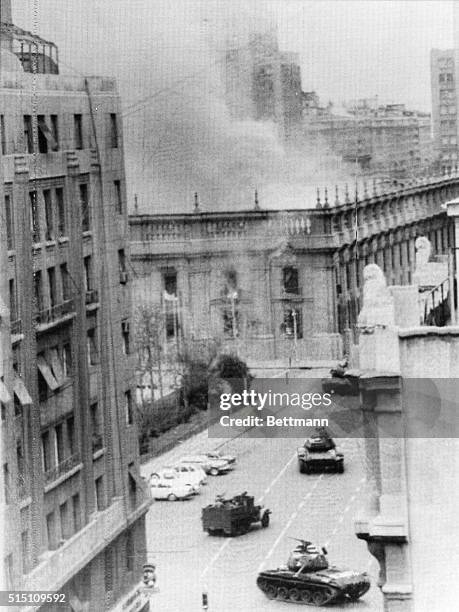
{"x": 319, "y": 453}
{"x": 307, "y": 578}
{"x": 233, "y": 516}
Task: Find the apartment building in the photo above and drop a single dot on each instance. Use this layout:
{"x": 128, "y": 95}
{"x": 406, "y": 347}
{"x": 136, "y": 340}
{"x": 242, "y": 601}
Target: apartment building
{"x": 444, "y": 107}
{"x": 73, "y": 501}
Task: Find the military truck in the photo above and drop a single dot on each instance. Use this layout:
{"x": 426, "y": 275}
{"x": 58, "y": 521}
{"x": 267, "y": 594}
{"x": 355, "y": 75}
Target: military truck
{"x": 234, "y": 516}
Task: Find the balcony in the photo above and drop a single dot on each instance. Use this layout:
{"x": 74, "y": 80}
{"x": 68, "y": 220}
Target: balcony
{"x": 92, "y": 297}
{"x": 53, "y": 315}
{"x": 57, "y": 566}
{"x": 292, "y": 293}
{"x": 64, "y": 466}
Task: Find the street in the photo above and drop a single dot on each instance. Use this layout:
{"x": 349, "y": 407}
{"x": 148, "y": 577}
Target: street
{"x": 318, "y": 507}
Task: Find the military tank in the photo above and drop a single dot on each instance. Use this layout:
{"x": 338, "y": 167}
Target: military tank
{"x": 309, "y": 579}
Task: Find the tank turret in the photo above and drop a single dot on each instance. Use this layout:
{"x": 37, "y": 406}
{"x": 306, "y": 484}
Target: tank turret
{"x": 306, "y": 557}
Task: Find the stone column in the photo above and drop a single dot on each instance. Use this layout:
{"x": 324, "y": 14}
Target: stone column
{"x": 452, "y": 210}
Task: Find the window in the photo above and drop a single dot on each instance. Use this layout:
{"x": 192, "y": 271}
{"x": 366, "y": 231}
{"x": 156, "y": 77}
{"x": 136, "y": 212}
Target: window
{"x": 88, "y": 273}
{"x": 34, "y": 216}
{"x": 130, "y": 554}
{"x": 42, "y": 134}
{"x": 292, "y": 324}
{"x": 85, "y": 210}
{"x": 97, "y": 439}
{"x": 9, "y": 223}
{"x": 3, "y": 134}
{"x": 170, "y": 282}
{"x": 132, "y": 486}
{"x": 93, "y": 355}
{"x": 55, "y": 131}
{"x": 38, "y": 290}
{"x": 28, "y": 134}
{"x": 122, "y": 266}
{"x": 6, "y": 483}
{"x": 61, "y": 231}
{"x": 65, "y": 280}
{"x": 46, "y": 451}
{"x": 71, "y": 435}
{"x": 13, "y": 300}
{"x": 290, "y": 280}
{"x": 9, "y": 572}
{"x": 51, "y": 531}
{"x": 25, "y": 544}
{"x": 113, "y": 131}
{"x": 119, "y": 201}
{"x": 20, "y": 460}
{"x": 67, "y": 359}
{"x": 100, "y": 493}
{"x": 52, "y": 286}
{"x": 128, "y": 407}
{"x": 60, "y": 447}
{"x": 76, "y": 512}
{"x": 65, "y": 520}
{"x": 125, "y": 337}
{"x": 78, "y": 131}
{"x": 48, "y": 214}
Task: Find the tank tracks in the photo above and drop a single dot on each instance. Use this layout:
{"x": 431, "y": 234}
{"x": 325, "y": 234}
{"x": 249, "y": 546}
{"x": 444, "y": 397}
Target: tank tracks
{"x": 310, "y": 594}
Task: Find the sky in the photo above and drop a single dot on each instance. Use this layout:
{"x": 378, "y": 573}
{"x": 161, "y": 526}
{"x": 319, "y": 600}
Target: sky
{"x": 164, "y": 51}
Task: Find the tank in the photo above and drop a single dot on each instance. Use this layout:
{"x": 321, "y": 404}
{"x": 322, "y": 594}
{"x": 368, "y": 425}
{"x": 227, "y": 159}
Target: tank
{"x": 307, "y": 578}
{"x": 319, "y": 453}
{"x": 233, "y": 516}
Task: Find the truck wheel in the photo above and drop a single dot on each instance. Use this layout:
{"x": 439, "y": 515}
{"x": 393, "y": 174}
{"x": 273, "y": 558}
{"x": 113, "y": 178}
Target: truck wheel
{"x": 340, "y": 467}
{"x": 301, "y": 466}
{"x": 307, "y": 468}
{"x": 214, "y": 472}
{"x": 172, "y": 497}
{"x": 265, "y": 520}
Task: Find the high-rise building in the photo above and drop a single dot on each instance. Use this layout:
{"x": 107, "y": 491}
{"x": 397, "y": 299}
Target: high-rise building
{"x": 73, "y": 501}
{"x": 443, "y": 66}
{"x": 262, "y": 83}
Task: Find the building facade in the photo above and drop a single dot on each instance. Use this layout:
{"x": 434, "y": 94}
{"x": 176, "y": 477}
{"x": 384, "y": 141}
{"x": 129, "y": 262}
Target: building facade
{"x": 279, "y": 284}
{"x": 74, "y": 502}
{"x": 443, "y": 71}
{"x": 373, "y": 139}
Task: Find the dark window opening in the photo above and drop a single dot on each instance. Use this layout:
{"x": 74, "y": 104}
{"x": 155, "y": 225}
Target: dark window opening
{"x": 78, "y": 131}
{"x": 113, "y": 131}
{"x": 49, "y": 214}
{"x": 170, "y": 282}
{"x": 100, "y": 493}
{"x": 65, "y": 280}
{"x": 42, "y": 140}
{"x": 52, "y": 286}
{"x": 34, "y": 217}
{"x": 46, "y": 453}
{"x": 85, "y": 210}
{"x": 290, "y": 280}
{"x": 129, "y": 408}
{"x": 125, "y": 334}
{"x": 28, "y": 134}
{"x": 71, "y": 440}
{"x": 3, "y": 134}
{"x": 55, "y": 131}
{"x": 9, "y": 223}
{"x": 88, "y": 273}
{"x": 93, "y": 353}
{"x": 119, "y": 200}
{"x": 60, "y": 212}
{"x": 13, "y": 300}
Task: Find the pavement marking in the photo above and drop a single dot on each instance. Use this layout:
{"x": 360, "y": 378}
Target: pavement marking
{"x": 266, "y": 491}
{"x": 345, "y": 511}
{"x": 289, "y": 522}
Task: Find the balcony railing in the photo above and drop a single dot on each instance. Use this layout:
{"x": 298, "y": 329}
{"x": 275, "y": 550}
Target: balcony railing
{"x": 53, "y": 314}
{"x": 64, "y": 466}
{"x": 92, "y": 297}
{"x": 16, "y": 327}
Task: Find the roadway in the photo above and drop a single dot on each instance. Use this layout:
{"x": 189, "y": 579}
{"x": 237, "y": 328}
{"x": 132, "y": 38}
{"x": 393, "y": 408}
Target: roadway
{"x": 317, "y": 507}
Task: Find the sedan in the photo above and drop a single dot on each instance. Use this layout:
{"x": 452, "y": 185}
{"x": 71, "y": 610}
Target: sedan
{"x": 219, "y": 456}
{"x": 214, "y": 467}
{"x": 193, "y": 475}
{"x": 171, "y": 489}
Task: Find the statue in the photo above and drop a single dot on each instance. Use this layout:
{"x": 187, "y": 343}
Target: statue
{"x": 423, "y": 250}
{"x": 378, "y": 303}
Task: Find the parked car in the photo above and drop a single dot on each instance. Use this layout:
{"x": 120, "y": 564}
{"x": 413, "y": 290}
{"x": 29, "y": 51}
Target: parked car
{"x": 171, "y": 489}
{"x": 191, "y": 474}
{"x": 214, "y": 467}
{"x": 169, "y": 473}
{"x": 218, "y": 455}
